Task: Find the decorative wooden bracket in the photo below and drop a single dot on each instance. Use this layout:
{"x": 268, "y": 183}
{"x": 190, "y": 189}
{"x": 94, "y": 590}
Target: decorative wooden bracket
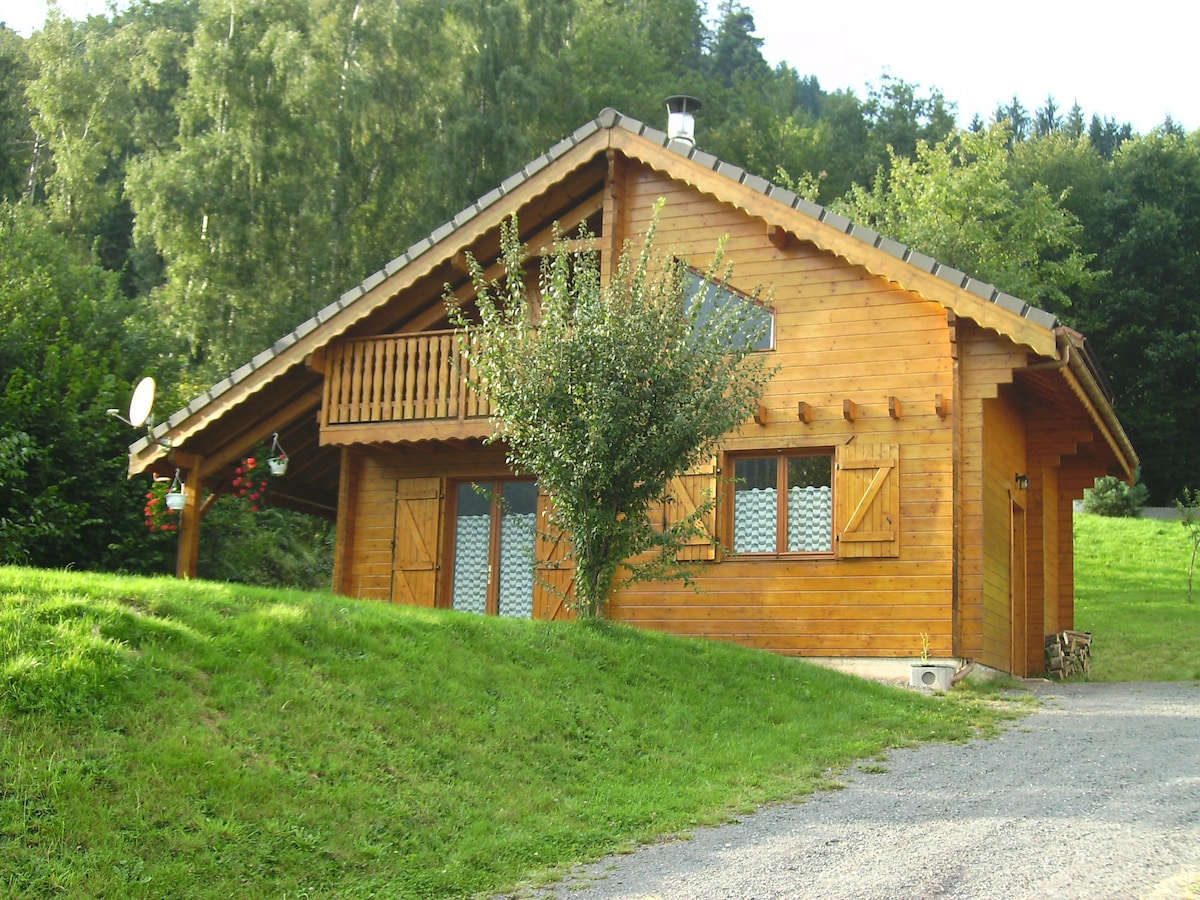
{"x": 850, "y": 410}
{"x": 804, "y": 412}
{"x": 760, "y": 415}
{"x": 459, "y": 263}
{"x": 942, "y": 404}
{"x": 778, "y": 236}
{"x": 315, "y": 361}
{"x": 894, "y": 409}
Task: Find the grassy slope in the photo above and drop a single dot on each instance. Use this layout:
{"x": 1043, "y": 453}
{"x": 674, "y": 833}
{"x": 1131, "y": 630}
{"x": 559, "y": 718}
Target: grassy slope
{"x": 200, "y": 740}
{"x": 1131, "y": 593}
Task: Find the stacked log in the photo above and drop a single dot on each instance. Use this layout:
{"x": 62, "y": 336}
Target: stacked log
{"x": 1068, "y": 653}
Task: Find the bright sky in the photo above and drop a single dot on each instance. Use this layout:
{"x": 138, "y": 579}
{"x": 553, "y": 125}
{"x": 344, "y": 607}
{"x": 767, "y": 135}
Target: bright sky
{"x": 1133, "y": 62}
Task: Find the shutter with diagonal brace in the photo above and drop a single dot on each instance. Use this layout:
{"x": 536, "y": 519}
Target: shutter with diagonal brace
{"x": 554, "y": 571}
{"x": 415, "y": 555}
{"x": 867, "y": 515}
{"x": 689, "y": 490}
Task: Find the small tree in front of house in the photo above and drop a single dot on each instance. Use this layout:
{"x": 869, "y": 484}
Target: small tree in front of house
{"x": 606, "y": 391}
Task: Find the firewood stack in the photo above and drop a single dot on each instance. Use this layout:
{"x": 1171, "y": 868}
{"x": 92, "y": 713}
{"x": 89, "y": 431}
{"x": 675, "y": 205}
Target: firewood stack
{"x": 1068, "y": 653}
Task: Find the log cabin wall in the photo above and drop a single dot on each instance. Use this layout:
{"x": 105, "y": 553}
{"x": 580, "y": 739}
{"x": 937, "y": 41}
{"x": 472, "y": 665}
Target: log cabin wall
{"x": 393, "y": 501}
{"x": 864, "y": 363}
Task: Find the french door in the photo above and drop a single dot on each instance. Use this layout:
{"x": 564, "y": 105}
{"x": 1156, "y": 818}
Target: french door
{"x": 495, "y": 533}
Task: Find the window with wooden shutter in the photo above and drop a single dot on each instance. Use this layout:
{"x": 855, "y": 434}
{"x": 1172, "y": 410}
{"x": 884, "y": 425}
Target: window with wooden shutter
{"x": 783, "y": 503}
{"x": 688, "y": 491}
{"x": 554, "y": 573}
{"x": 867, "y": 501}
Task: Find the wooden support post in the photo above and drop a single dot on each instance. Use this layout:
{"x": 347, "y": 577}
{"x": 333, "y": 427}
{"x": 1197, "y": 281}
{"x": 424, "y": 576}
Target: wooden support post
{"x": 760, "y": 415}
{"x": 942, "y": 404}
{"x": 850, "y": 410}
{"x": 804, "y": 412}
{"x": 894, "y": 409}
{"x": 188, "y": 553}
{"x": 611, "y": 229}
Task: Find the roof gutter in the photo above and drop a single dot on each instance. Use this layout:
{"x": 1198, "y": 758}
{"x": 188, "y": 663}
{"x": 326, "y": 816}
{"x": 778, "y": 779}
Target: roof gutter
{"x": 1080, "y": 366}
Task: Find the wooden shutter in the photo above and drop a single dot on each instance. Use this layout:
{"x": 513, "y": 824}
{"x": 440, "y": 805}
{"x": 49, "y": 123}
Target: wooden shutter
{"x": 867, "y": 500}
{"x": 688, "y": 491}
{"x": 415, "y": 554}
{"x": 554, "y": 571}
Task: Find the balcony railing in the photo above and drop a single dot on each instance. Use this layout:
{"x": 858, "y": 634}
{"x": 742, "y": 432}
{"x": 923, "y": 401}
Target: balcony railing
{"x": 418, "y": 378}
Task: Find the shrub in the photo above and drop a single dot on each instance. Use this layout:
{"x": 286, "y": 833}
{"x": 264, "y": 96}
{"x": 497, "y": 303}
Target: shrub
{"x": 1113, "y": 497}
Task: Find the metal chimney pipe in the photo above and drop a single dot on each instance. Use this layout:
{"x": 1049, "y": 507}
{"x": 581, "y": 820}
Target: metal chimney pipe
{"x": 681, "y": 118}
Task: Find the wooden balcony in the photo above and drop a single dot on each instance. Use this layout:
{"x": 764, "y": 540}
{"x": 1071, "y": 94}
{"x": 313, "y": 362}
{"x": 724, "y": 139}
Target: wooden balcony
{"x": 400, "y": 388}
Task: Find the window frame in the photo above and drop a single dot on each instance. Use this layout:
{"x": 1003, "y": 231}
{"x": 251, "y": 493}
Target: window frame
{"x": 493, "y": 489}
{"x": 720, "y": 286}
{"x": 780, "y": 456}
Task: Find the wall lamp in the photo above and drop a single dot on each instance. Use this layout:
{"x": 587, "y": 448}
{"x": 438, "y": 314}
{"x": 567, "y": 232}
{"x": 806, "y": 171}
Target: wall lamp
{"x": 1022, "y": 481}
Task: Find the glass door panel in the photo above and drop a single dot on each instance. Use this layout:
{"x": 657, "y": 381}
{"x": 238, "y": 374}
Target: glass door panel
{"x": 518, "y": 537}
{"x": 472, "y": 548}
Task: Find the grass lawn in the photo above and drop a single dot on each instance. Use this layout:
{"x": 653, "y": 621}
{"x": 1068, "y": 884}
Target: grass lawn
{"x": 1131, "y": 593}
{"x": 188, "y": 739}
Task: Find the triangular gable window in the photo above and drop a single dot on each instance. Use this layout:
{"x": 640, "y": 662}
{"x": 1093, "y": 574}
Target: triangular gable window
{"x": 713, "y": 297}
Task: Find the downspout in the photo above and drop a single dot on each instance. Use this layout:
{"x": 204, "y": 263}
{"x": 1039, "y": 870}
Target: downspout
{"x": 1064, "y": 345}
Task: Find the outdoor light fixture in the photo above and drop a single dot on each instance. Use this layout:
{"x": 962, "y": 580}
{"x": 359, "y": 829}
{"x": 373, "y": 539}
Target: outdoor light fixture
{"x": 1022, "y": 481}
{"x": 681, "y": 118}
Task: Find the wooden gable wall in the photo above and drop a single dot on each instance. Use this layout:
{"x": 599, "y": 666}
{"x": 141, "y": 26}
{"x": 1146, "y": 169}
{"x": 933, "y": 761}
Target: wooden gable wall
{"x": 841, "y": 335}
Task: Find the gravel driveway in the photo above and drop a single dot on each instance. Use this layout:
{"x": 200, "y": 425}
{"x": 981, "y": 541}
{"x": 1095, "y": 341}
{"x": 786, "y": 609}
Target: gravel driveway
{"x": 1095, "y": 795}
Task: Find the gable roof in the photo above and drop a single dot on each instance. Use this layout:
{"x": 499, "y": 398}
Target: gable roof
{"x": 807, "y": 221}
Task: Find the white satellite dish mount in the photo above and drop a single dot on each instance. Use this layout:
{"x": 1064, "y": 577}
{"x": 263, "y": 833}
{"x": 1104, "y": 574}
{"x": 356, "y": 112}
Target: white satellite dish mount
{"x": 141, "y": 406}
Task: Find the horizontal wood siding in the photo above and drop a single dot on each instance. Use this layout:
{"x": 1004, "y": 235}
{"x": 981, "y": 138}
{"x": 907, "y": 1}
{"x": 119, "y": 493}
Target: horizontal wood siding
{"x": 371, "y": 528}
{"x": 395, "y": 536}
{"x": 841, "y": 334}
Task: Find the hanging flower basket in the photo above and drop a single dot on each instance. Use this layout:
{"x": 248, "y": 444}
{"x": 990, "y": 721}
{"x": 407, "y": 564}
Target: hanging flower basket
{"x": 251, "y": 483}
{"x": 278, "y": 461}
{"x": 162, "y": 513}
{"x": 175, "y": 497}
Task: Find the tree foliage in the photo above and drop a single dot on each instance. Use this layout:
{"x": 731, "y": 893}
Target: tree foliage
{"x": 957, "y": 201}
{"x": 1145, "y": 316}
{"x": 1110, "y": 496}
{"x": 238, "y": 167}
{"x": 66, "y": 356}
{"x": 605, "y": 391}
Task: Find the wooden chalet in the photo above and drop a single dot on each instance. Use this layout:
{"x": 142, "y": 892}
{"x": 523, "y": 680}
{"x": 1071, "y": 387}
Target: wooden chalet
{"x": 909, "y": 478}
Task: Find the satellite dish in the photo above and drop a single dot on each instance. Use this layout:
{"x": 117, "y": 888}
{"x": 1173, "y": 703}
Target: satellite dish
{"x": 142, "y": 402}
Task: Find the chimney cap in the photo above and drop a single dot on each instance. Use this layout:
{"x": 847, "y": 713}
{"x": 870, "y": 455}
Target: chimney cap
{"x": 681, "y": 119}
{"x": 682, "y": 103}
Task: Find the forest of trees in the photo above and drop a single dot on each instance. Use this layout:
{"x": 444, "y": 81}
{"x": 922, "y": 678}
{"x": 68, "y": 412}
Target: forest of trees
{"x": 182, "y": 183}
